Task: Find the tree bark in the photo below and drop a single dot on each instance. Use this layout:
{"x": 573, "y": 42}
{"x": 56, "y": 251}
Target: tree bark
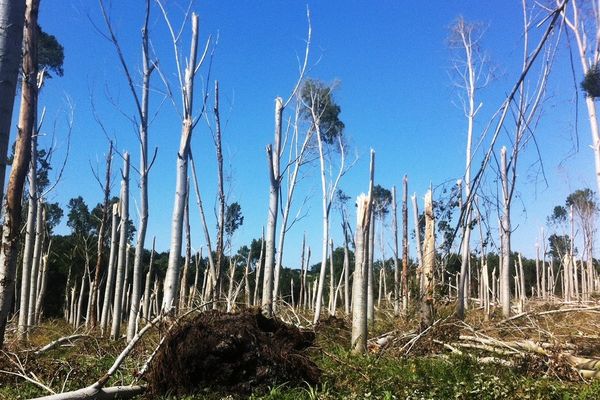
{"x": 110, "y": 276}
{"x": 30, "y": 228}
{"x": 361, "y": 256}
{"x": 22, "y": 155}
{"x": 36, "y": 261}
{"x": 427, "y": 310}
{"x": 505, "y": 232}
{"x": 122, "y": 257}
{"x": 172, "y": 274}
{"x": 405, "y": 245}
{"x": 273, "y": 154}
{"x": 12, "y": 17}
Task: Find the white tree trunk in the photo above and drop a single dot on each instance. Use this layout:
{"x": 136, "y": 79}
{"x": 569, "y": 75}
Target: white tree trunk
{"x": 359, "y": 285}
{"x": 30, "y": 228}
{"x": 505, "y": 231}
{"x": 273, "y": 154}
{"x": 36, "y": 261}
{"x": 122, "y": 257}
{"x": 172, "y": 274}
{"x": 110, "y": 276}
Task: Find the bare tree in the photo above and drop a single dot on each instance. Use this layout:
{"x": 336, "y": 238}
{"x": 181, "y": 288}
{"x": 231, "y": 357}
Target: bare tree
{"x": 472, "y": 72}
{"x": 186, "y": 84}
{"x": 101, "y": 238}
{"x": 141, "y": 101}
{"x": 323, "y": 115}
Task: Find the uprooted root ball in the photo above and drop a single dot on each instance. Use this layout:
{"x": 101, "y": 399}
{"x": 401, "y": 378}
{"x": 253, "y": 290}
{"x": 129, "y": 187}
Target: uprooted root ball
{"x": 232, "y": 353}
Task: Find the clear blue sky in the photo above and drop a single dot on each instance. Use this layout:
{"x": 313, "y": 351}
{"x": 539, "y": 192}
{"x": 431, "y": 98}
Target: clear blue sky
{"x": 396, "y": 97}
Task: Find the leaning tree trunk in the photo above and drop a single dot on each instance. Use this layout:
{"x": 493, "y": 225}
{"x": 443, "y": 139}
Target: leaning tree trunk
{"x": 172, "y": 275}
{"x": 361, "y": 256}
{"x": 12, "y": 16}
{"x": 273, "y": 153}
{"x": 122, "y": 258}
{"x": 22, "y": 155}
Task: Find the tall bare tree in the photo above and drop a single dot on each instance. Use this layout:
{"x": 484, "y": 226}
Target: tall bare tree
{"x": 322, "y": 113}
{"x": 186, "y": 84}
{"x": 471, "y": 71}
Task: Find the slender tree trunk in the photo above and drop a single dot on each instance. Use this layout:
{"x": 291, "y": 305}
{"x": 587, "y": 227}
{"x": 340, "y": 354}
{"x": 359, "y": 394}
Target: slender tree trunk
{"x": 43, "y": 286}
{"x": 183, "y": 292}
{"x": 273, "y": 155}
{"x": 30, "y": 227}
{"x": 100, "y": 260}
{"x": 110, "y": 276}
{"x": 258, "y": 269}
{"x": 122, "y": 257}
{"x": 359, "y": 286}
{"x": 427, "y": 310}
{"x": 20, "y": 165}
{"x": 12, "y": 17}
{"x": 346, "y": 273}
{"x": 396, "y": 263}
{"x": 36, "y": 261}
{"x": 136, "y": 287}
{"x": 505, "y": 231}
{"x": 172, "y": 274}
{"x": 148, "y": 283}
{"x": 405, "y": 245}
{"x": 220, "y": 187}
{"x": 370, "y": 280}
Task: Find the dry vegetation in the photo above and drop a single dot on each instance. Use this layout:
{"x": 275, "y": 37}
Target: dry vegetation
{"x": 546, "y": 352}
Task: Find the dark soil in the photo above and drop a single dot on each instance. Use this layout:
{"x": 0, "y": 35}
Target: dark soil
{"x": 231, "y": 353}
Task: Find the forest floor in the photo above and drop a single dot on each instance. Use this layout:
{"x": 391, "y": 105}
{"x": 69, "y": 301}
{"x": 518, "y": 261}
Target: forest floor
{"x": 547, "y": 352}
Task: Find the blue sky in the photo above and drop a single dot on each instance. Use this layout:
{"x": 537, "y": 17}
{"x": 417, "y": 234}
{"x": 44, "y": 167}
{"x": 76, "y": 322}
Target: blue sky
{"x": 392, "y": 61}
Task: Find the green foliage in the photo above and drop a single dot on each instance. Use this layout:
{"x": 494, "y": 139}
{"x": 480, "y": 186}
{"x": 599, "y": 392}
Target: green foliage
{"x": 591, "y": 82}
{"x": 320, "y": 108}
{"x": 233, "y": 218}
{"x": 559, "y": 246}
{"x": 79, "y": 218}
{"x": 583, "y": 202}
{"x": 382, "y": 199}
{"x": 51, "y": 54}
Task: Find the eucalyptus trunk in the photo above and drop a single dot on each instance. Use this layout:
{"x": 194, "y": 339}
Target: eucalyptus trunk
{"x": 273, "y": 154}
{"x": 122, "y": 255}
{"x": 20, "y": 165}
{"x": 172, "y": 275}
{"x": 110, "y": 275}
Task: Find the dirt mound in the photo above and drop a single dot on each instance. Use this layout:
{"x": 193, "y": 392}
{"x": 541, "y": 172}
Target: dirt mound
{"x": 231, "y": 353}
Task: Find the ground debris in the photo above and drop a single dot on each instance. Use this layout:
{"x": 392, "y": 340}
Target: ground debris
{"x": 231, "y": 353}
